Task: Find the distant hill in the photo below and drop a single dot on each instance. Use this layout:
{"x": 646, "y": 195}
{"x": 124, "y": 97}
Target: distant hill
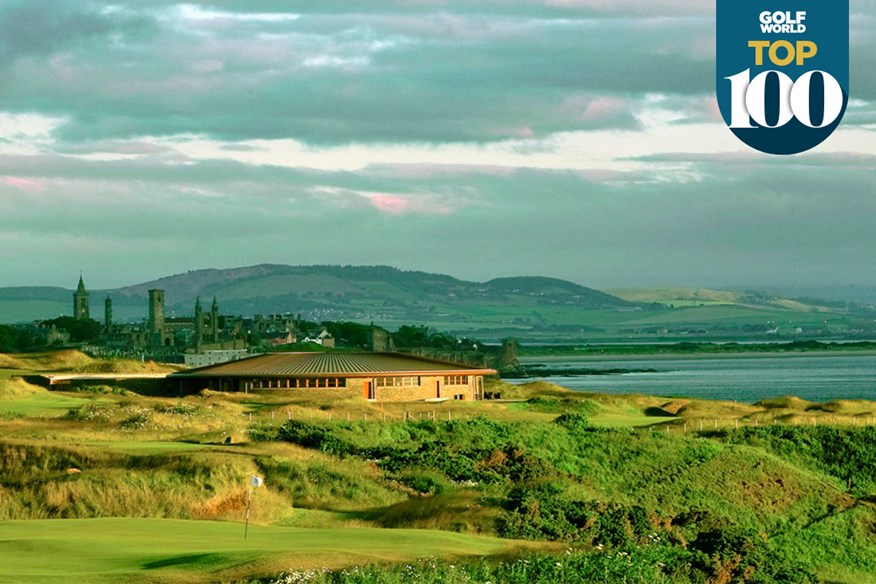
{"x": 355, "y": 292}
{"x": 679, "y": 297}
{"x": 377, "y": 293}
{"x": 530, "y": 308}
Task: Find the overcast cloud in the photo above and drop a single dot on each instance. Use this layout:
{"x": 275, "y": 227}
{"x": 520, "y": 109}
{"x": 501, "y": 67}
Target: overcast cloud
{"x": 569, "y": 138}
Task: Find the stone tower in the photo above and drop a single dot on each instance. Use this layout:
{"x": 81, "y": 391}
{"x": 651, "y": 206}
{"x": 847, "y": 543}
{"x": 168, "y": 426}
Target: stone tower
{"x": 108, "y": 315}
{"x": 214, "y": 322}
{"x": 156, "y": 312}
{"x": 199, "y": 325}
{"x": 80, "y": 301}
{"x": 379, "y": 340}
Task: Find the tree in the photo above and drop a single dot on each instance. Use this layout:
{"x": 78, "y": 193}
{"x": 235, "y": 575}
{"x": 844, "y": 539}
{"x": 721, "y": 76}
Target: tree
{"x": 8, "y": 341}
{"x": 81, "y": 330}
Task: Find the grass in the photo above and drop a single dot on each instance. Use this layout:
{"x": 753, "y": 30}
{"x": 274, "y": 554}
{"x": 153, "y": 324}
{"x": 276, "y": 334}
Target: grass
{"x": 40, "y": 404}
{"x": 6, "y": 373}
{"x": 138, "y": 473}
{"x": 163, "y": 550}
{"x": 21, "y": 399}
{"x": 825, "y": 545}
{"x": 146, "y": 446}
{"x": 70, "y": 360}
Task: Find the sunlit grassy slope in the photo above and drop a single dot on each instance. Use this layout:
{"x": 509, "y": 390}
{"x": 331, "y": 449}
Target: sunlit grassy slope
{"x": 164, "y": 550}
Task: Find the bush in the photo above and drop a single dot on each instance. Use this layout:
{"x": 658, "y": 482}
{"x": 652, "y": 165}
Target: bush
{"x": 573, "y": 422}
{"x": 562, "y": 405}
{"x": 742, "y": 555}
{"x": 849, "y": 454}
{"x": 263, "y": 432}
{"x": 425, "y": 482}
{"x": 138, "y": 421}
{"x": 90, "y": 412}
{"x": 314, "y": 436}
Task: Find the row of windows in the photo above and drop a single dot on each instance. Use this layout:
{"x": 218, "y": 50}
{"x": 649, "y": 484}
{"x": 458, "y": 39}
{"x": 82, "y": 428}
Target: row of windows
{"x": 397, "y": 381}
{"x": 306, "y": 382}
{"x": 315, "y": 382}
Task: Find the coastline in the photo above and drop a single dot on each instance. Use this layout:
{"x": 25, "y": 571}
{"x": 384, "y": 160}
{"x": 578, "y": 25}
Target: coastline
{"x": 529, "y": 359}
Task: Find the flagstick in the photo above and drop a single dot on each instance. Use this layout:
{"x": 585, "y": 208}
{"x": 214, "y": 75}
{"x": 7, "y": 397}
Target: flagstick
{"x": 248, "y": 503}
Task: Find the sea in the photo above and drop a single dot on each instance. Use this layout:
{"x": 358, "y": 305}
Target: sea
{"x": 818, "y": 377}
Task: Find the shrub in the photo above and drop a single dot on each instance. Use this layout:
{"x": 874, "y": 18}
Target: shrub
{"x": 138, "y": 421}
{"x": 573, "y": 422}
{"x": 849, "y": 454}
{"x": 741, "y": 554}
{"x": 314, "y": 436}
{"x": 425, "y": 482}
{"x": 262, "y": 432}
{"x": 90, "y": 412}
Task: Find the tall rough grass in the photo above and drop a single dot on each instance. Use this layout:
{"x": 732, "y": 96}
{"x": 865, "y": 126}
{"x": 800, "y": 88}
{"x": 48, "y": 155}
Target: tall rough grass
{"x": 39, "y": 482}
{"x": 649, "y": 565}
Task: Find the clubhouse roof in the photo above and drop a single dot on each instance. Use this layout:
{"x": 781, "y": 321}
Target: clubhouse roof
{"x": 391, "y": 376}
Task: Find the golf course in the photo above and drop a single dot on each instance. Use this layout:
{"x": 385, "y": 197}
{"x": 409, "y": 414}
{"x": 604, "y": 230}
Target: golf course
{"x": 102, "y": 484}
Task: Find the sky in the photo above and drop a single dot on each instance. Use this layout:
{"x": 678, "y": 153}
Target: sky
{"x": 577, "y": 139}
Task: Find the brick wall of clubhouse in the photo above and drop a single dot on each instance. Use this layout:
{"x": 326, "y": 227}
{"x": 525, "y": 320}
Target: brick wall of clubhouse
{"x": 429, "y": 387}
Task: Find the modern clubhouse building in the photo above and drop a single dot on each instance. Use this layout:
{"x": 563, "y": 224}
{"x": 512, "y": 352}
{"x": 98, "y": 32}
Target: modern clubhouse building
{"x": 374, "y": 376}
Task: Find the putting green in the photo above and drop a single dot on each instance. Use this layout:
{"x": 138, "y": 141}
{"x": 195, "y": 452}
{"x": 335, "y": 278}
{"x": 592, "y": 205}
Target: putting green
{"x": 45, "y": 404}
{"x": 167, "y": 550}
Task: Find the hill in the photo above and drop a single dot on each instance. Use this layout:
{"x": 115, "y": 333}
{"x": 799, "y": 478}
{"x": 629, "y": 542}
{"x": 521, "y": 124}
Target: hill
{"x": 679, "y": 296}
{"x": 377, "y": 293}
{"x": 533, "y": 309}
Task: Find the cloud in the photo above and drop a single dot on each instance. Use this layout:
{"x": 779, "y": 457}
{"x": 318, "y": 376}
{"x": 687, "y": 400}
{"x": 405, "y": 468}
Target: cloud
{"x": 22, "y": 184}
{"x": 42, "y": 28}
{"x": 573, "y": 138}
{"x": 332, "y": 78}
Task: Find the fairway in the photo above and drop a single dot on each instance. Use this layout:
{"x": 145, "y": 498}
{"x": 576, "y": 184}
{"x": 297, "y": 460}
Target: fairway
{"x": 165, "y": 550}
{"x": 40, "y": 404}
